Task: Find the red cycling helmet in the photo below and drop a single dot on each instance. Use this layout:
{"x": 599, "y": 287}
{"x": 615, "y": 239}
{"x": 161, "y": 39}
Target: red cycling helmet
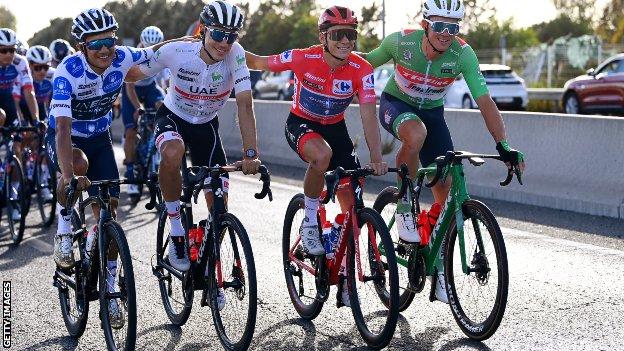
{"x": 335, "y": 16}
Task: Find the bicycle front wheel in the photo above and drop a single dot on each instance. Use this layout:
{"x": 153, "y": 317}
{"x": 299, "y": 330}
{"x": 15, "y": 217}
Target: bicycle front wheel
{"x": 15, "y": 192}
{"x": 375, "y": 316}
{"x": 234, "y": 306}
{"x": 118, "y": 310}
{"x": 477, "y": 298}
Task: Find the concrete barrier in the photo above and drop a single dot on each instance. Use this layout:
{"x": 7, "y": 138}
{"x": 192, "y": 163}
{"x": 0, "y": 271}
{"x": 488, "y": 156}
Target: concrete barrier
{"x": 573, "y": 162}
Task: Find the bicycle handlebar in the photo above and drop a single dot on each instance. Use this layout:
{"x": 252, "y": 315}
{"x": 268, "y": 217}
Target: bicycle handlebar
{"x": 405, "y": 181}
{"x": 197, "y": 175}
{"x": 452, "y": 157}
{"x": 332, "y": 179}
{"x": 70, "y": 190}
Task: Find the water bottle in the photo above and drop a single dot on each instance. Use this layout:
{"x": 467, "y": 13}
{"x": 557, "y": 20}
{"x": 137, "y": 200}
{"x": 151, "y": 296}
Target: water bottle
{"x": 327, "y": 240}
{"x": 336, "y": 229}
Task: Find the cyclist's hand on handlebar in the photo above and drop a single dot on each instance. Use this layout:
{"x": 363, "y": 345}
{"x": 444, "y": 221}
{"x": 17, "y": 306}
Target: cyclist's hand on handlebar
{"x": 510, "y": 156}
{"x": 379, "y": 168}
{"x": 250, "y": 165}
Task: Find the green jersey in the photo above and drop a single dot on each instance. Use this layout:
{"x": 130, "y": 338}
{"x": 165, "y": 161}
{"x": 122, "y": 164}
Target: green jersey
{"x": 423, "y": 83}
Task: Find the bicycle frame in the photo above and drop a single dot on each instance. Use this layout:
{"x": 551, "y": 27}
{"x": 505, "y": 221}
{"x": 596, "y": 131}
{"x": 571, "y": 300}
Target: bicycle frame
{"x": 350, "y": 225}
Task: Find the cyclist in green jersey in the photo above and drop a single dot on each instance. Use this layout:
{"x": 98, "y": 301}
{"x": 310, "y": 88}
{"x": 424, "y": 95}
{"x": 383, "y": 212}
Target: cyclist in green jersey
{"x": 427, "y": 61}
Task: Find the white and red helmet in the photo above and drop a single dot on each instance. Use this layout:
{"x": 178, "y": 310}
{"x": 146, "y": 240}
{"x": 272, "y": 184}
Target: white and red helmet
{"x": 336, "y": 16}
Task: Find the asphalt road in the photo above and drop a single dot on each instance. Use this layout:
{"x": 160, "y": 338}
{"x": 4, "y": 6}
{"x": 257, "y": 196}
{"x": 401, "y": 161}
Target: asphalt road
{"x": 566, "y": 288}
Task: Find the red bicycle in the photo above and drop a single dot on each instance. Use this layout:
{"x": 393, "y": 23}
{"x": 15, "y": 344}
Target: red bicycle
{"x": 372, "y": 282}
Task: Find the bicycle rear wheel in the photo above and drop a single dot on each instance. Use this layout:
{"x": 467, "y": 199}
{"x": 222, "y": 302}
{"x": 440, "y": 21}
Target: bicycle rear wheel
{"x": 301, "y": 284}
{"x": 177, "y": 299}
{"x": 385, "y": 205}
{"x": 15, "y": 193}
{"x": 477, "y": 299}
{"x": 74, "y": 300}
{"x": 47, "y": 208}
{"x": 375, "y": 317}
{"x": 116, "y": 287}
{"x": 236, "y": 321}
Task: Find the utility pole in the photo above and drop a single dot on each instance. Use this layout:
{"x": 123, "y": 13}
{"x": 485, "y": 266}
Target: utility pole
{"x": 383, "y": 19}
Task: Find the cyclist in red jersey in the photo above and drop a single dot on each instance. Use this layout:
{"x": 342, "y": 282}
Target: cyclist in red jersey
{"x": 327, "y": 77}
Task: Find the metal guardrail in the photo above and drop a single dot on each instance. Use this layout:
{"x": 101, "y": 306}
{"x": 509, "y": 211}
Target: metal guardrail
{"x": 550, "y": 94}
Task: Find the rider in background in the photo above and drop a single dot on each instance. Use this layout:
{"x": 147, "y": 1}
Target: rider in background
{"x": 328, "y": 77}
{"x": 136, "y": 97}
{"x": 60, "y": 48}
{"x": 412, "y": 105}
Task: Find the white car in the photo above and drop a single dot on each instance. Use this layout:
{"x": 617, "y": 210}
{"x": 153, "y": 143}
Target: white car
{"x": 506, "y": 88}
{"x": 381, "y": 75}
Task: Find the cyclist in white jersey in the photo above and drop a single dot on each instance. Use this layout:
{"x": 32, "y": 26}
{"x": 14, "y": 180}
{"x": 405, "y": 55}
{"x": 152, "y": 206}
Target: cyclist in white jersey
{"x": 202, "y": 77}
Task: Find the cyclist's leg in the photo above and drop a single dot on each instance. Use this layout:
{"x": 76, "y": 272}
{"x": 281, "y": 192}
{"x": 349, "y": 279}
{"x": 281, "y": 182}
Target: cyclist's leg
{"x": 437, "y": 143}
{"x": 130, "y": 133}
{"x": 304, "y": 138}
{"x": 204, "y": 143}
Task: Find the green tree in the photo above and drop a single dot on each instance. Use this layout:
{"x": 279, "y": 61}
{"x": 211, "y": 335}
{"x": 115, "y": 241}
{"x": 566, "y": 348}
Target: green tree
{"x": 486, "y": 35}
{"x": 578, "y": 10}
{"x": 7, "y": 18}
{"x": 367, "y": 39}
{"x": 562, "y": 25}
{"x": 58, "y": 28}
{"x": 611, "y": 24}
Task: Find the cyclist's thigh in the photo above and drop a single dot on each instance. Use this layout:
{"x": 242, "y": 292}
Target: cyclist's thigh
{"x": 204, "y": 143}
{"x": 438, "y": 140}
{"x": 50, "y": 141}
{"x": 166, "y": 127}
{"x": 127, "y": 110}
{"x": 393, "y": 112}
{"x": 343, "y": 151}
{"x": 102, "y": 165}
{"x": 299, "y": 131}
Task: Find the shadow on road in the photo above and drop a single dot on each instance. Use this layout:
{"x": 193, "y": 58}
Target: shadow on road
{"x": 289, "y": 338}
{"x": 65, "y": 342}
{"x": 145, "y": 343}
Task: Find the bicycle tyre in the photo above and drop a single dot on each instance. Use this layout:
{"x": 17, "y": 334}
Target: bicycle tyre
{"x": 17, "y": 233}
{"x": 46, "y": 218}
{"x": 75, "y": 325}
{"x": 115, "y": 233}
{"x": 236, "y": 230}
{"x": 367, "y": 216}
{"x": 388, "y": 196}
{"x": 486, "y": 328}
{"x": 306, "y": 311}
{"x": 165, "y": 284}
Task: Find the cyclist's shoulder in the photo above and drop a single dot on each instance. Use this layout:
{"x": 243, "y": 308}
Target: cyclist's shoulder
{"x": 408, "y": 32}
{"x": 71, "y": 67}
{"x": 360, "y": 65}
{"x": 461, "y": 46}
{"x": 19, "y": 61}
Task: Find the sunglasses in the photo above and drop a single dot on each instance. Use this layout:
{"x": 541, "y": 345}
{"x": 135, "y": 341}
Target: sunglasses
{"x": 38, "y": 68}
{"x": 218, "y": 35}
{"x": 338, "y": 34}
{"x": 7, "y": 51}
{"x": 98, "y": 44}
{"x": 440, "y": 27}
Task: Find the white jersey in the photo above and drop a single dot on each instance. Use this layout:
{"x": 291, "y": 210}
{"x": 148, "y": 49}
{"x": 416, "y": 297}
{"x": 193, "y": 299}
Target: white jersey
{"x": 87, "y": 97}
{"x": 197, "y": 91}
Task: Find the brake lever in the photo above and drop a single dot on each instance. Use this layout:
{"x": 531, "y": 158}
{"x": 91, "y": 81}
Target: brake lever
{"x": 69, "y": 192}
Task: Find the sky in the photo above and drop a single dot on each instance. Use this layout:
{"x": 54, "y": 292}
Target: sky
{"x": 33, "y": 15}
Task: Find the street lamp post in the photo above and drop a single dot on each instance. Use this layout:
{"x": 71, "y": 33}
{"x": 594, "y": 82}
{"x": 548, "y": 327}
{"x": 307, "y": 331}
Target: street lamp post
{"x": 383, "y": 18}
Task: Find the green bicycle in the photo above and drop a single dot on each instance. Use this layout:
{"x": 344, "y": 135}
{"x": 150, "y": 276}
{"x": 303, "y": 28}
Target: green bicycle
{"x": 466, "y": 244}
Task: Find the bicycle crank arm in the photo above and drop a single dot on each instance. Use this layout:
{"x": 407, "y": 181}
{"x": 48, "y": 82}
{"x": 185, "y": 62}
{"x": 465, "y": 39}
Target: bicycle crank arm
{"x": 65, "y": 279}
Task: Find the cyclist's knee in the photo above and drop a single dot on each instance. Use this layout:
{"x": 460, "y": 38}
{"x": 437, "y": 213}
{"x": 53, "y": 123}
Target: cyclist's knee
{"x": 171, "y": 152}
{"x": 81, "y": 163}
{"x": 413, "y": 133}
{"x": 318, "y": 154}
{"x": 2, "y": 117}
{"x": 131, "y": 133}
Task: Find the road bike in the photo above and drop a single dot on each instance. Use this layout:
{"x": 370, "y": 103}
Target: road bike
{"x": 368, "y": 278}
{"x": 38, "y": 178}
{"x": 466, "y": 244}
{"x": 147, "y": 156}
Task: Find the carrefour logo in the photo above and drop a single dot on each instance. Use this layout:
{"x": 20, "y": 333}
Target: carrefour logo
{"x": 74, "y": 66}
{"x": 112, "y": 81}
{"x": 120, "y": 56}
{"x": 62, "y": 89}
{"x": 368, "y": 82}
{"x": 286, "y": 56}
{"x": 342, "y": 87}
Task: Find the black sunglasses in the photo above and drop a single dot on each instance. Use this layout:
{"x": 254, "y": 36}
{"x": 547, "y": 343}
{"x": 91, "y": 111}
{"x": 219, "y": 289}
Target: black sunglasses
{"x": 218, "y": 35}
{"x": 97, "y": 44}
{"x": 7, "y": 51}
{"x": 338, "y": 34}
{"x": 38, "y": 68}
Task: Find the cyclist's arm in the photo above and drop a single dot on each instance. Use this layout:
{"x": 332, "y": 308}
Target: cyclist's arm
{"x": 156, "y": 63}
{"x": 492, "y": 117}
{"x": 64, "y": 146}
{"x": 247, "y": 120}
{"x": 31, "y": 101}
{"x": 384, "y": 52}
{"x": 257, "y": 62}
{"x": 132, "y": 96}
{"x": 371, "y": 131}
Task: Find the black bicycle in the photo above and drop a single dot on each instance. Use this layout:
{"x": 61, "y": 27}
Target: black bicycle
{"x": 39, "y": 179}
{"x": 90, "y": 279}
{"x": 147, "y": 156}
{"x": 12, "y": 184}
{"x": 223, "y": 268}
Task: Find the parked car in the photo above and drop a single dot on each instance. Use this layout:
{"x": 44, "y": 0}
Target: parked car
{"x": 254, "y": 77}
{"x": 275, "y": 85}
{"x": 381, "y": 75}
{"x": 600, "y": 90}
{"x": 506, "y": 88}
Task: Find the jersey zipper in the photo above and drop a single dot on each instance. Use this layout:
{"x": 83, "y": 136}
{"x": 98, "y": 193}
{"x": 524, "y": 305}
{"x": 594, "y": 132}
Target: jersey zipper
{"x": 422, "y": 99}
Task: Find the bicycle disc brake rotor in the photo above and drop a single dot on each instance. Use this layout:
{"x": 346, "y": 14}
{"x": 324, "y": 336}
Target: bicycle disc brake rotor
{"x": 417, "y": 271}
{"x": 321, "y": 279}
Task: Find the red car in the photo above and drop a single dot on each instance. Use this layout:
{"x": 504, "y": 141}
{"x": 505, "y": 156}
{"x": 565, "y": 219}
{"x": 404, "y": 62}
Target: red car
{"x": 600, "y": 90}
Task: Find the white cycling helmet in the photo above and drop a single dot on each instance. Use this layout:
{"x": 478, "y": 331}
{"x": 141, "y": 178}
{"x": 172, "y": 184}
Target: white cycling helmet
{"x": 21, "y": 47}
{"x": 443, "y": 8}
{"x": 7, "y": 37}
{"x": 60, "y": 48}
{"x": 39, "y": 54}
{"x": 221, "y": 13}
{"x": 93, "y": 21}
{"x": 152, "y": 35}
